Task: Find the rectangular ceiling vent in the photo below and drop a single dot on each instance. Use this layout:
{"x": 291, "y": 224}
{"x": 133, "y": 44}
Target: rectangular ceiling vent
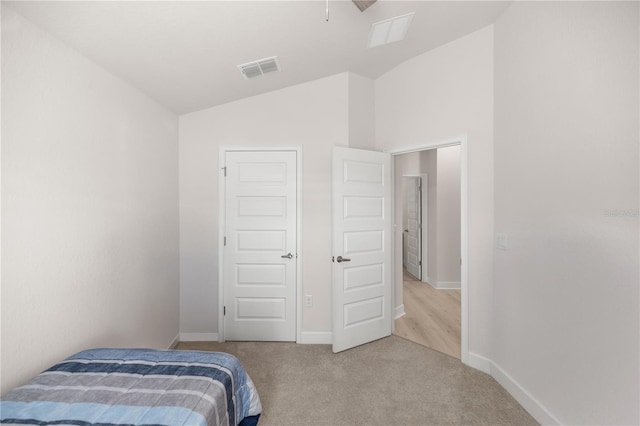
{"x": 389, "y": 30}
{"x": 260, "y": 67}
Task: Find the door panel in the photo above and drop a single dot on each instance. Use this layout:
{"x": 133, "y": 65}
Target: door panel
{"x": 363, "y": 311}
{"x": 258, "y": 241}
{"x": 356, "y": 278}
{"x": 262, "y": 206}
{"x": 261, "y": 275}
{"x": 361, "y": 230}
{"x": 263, "y": 308}
{"x": 363, "y": 242}
{"x": 260, "y": 228}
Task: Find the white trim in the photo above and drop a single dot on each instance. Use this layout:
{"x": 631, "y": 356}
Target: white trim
{"x": 223, "y": 149}
{"x": 464, "y": 229}
{"x": 400, "y": 311}
{"x": 428, "y": 145}
{"x": 424, "y": 209}
{"x": 519, "y": 393}
{"x": 221, "y": 226}
{"x": 175, "y": 342}
{"x": 464, "y": 249}
{"x": 316, "y": 338}
{"x": 199, "y": 337}
{"x": 479, "y": 363}
{"x": 393, "y": 229}
{"x": 429, "y": 280}
{"x": 448, "y": 285}
{"x": 299, "y": 258}
{"x": 528, "y": 401}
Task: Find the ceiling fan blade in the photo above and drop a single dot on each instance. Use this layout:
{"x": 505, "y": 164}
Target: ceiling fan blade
{"x": 363, "y": 4}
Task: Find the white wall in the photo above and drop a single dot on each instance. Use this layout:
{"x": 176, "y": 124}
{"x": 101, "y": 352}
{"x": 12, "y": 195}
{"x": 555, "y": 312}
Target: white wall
{"x": 429, "y": 166}
{"x": 89, "y": 207}
{"x": 436, "y": 96}
{"x": 362, "y": 124}
{"x": 313, "y": 115}
{"x": 566, "y": 191}
{"x": 448, "y": 217}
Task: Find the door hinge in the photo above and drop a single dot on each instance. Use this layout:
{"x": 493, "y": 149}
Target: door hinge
{"x": 419, "y": 262}
{"x": 224, "y": 310}
{"x": 224, "y": 241}
{"x": 225, "y": 171}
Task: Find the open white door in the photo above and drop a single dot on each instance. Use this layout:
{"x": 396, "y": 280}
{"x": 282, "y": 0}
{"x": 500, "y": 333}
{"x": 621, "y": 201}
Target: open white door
{"x": 413, "y": 226}
{"x": 362, "y": 247}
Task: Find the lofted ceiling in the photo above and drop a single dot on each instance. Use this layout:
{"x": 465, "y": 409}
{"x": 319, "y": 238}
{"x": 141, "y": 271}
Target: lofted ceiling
{"x": 184, "y": 54}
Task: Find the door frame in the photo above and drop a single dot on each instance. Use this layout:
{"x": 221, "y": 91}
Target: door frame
{"x": 222, "y": 224}
{"x": 464, "y": 230}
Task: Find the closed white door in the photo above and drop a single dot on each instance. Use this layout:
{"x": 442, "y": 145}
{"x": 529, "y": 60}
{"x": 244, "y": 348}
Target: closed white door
{"x": 361, "y": 247}
{"x": 413, "y": 230}
{"x": 260, "y": 253}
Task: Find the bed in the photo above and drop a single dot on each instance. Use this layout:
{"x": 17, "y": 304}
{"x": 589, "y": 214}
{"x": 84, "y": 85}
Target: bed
{"x": 137, "y": 387}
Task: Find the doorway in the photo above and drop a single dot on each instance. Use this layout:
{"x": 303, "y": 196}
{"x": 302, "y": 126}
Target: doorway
{"x": 429, "y": 302}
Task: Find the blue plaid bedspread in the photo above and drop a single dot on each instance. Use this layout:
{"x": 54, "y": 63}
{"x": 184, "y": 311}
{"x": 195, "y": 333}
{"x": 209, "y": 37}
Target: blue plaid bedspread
{"x": 136, "y": 387}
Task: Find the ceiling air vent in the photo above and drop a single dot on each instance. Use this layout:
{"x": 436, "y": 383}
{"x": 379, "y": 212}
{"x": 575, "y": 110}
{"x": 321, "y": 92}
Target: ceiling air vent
{"x": 389, "y": 30}
{"x": 258, "y": 68}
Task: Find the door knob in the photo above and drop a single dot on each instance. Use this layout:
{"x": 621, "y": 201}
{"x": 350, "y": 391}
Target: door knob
{"x": 287, "y": 256}
{"x": 341, "y": 259}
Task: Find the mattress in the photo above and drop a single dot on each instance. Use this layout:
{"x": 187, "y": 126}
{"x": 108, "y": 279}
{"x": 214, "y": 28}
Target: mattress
{"x": 136, "y": 387}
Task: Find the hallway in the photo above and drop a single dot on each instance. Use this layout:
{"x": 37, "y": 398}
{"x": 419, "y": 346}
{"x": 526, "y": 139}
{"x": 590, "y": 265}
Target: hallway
{"x": 432, "y": 316}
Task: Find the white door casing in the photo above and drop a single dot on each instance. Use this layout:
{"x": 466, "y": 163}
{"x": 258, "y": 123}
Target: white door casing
{"x": 260, "y": 245}
{"x": 413, "y": 230}
{"x": 465, "y": 355}
{"x": 362, "y": 247}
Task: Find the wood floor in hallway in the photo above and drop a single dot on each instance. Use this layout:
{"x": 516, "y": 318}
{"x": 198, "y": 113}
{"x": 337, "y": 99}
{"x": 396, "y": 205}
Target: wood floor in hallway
{"x": 432, "y": 316}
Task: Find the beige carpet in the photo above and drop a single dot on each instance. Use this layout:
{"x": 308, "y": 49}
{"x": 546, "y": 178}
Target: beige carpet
{"x": 388, "y": 382}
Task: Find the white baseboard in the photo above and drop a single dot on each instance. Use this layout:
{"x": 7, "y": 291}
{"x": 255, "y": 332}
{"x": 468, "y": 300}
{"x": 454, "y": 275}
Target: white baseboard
{"x": 528, "y": 401}
{"x": 400, "y": 311}
{"x": 198, "y": 337}
{"x": 479, "y": 363}
{"x": 308, "y": 337}
{"x": 175, "y": 342}
{"x": 443, "y": 285}
{"x": 316, "y": 338}
{"x": 448, "y": 285}
{"x": 520, "y": 394}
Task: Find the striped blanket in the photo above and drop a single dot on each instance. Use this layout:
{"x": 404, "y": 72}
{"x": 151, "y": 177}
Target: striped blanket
{"x": 136, "y": 386}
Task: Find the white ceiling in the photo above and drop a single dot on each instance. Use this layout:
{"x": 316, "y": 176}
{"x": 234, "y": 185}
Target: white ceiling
{"x": 184, "y": 53}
